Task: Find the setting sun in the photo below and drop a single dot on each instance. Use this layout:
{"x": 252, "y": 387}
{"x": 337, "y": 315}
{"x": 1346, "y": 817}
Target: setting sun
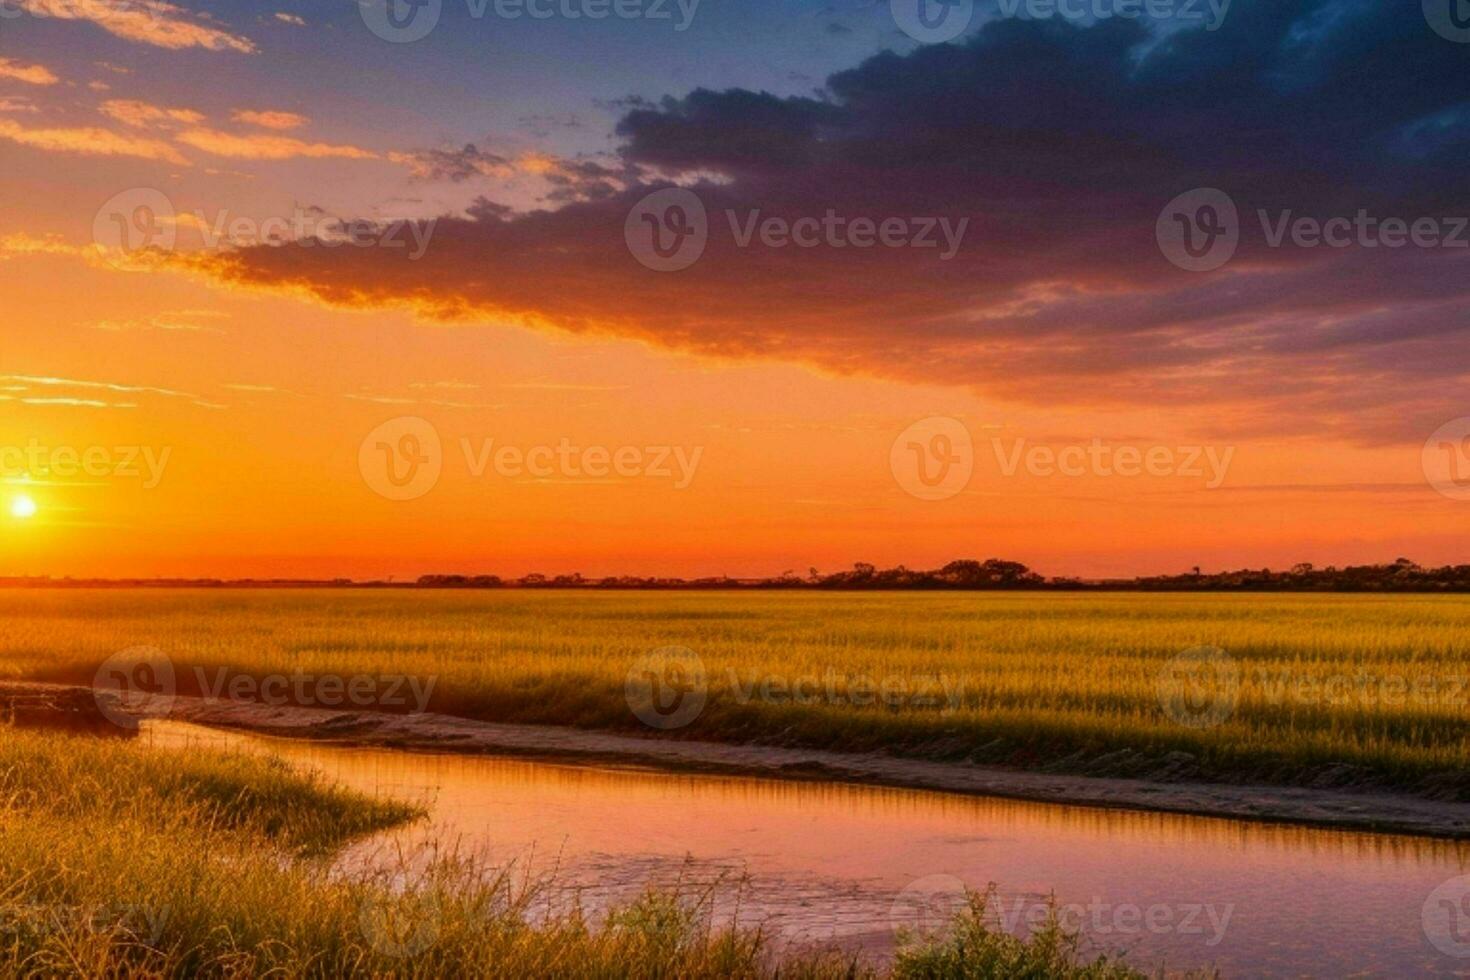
{"x": 22, "y": 508}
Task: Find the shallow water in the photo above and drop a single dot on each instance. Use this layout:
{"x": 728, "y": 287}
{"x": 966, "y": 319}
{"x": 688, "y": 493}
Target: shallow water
{"x": 834, "y": 864}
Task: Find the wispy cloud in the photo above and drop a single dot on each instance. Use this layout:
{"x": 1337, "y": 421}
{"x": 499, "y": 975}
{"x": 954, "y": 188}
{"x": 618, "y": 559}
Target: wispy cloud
{"x": 427, "y": 403}
{"x": 265, "y": 146}
{"x": 80, "y": 393}
{"x": 188, "y": 321}
{"x": 253, "y": 389}
{"x": 144, "y": 115}
{"x": 153, "y": 22}
{"x": 30, "y": 74}
{"x": 50, "y": 382}
{"x": 559, "y": 386}
{"x": 90, "y": 141}
{"x": 270, "y": 118}
{"x": 70, "y": 402}
{"x": 21, "y": 243}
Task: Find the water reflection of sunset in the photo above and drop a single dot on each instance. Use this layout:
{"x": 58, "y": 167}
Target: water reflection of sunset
{"x": 846, "y": 853}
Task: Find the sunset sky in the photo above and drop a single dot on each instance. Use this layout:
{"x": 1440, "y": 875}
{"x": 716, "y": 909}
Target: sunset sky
{"x": 493, "y": 173}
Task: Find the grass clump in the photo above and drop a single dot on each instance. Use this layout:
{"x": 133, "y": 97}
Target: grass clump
{"x": 57, "y": 777}
{"x": 975, "y": 947}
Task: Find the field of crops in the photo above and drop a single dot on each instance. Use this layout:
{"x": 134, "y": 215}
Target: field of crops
{"x": 1332, "y": 689}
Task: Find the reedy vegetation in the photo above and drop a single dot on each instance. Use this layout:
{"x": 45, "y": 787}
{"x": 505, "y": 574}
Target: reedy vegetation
{"x": 1054, "y": 679}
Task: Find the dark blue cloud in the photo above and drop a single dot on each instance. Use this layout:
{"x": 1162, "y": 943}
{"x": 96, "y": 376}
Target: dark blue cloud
{"x": 1060, "y": 143}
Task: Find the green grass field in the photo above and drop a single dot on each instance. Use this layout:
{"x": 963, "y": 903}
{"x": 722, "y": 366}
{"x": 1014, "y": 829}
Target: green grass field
{"x": 1336, "y": 689}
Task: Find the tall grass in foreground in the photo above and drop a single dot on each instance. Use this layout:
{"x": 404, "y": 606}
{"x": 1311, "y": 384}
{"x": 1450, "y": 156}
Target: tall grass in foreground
{"x": 121, "y": 861}
{"x": 1330, "y": 686}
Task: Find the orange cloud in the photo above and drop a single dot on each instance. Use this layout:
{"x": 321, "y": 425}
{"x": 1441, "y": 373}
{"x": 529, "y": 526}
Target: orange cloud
{"x": 142, "y": 115}
{"x": 270, "y": 119}
{"x": 22, "y": 244}
{"x": 155, "y": 22}
{"x": 90, "y": 141}
{"x": 261, "y": 146}
{"x": 30, "y": 74}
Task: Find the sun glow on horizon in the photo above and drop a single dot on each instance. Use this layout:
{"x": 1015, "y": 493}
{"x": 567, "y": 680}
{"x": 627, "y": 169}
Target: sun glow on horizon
{"x": 22, "y": 507}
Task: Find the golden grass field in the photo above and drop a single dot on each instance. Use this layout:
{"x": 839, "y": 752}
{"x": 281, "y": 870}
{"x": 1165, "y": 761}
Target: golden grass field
{"x": 1356, "y": 689}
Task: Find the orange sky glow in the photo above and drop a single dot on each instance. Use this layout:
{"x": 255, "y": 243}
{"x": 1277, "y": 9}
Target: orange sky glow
{"x": 214, "y": 400}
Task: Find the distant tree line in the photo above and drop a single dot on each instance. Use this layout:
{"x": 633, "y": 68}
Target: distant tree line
{"x": 966, "y": 574}
{"x": 969, "y": 574}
